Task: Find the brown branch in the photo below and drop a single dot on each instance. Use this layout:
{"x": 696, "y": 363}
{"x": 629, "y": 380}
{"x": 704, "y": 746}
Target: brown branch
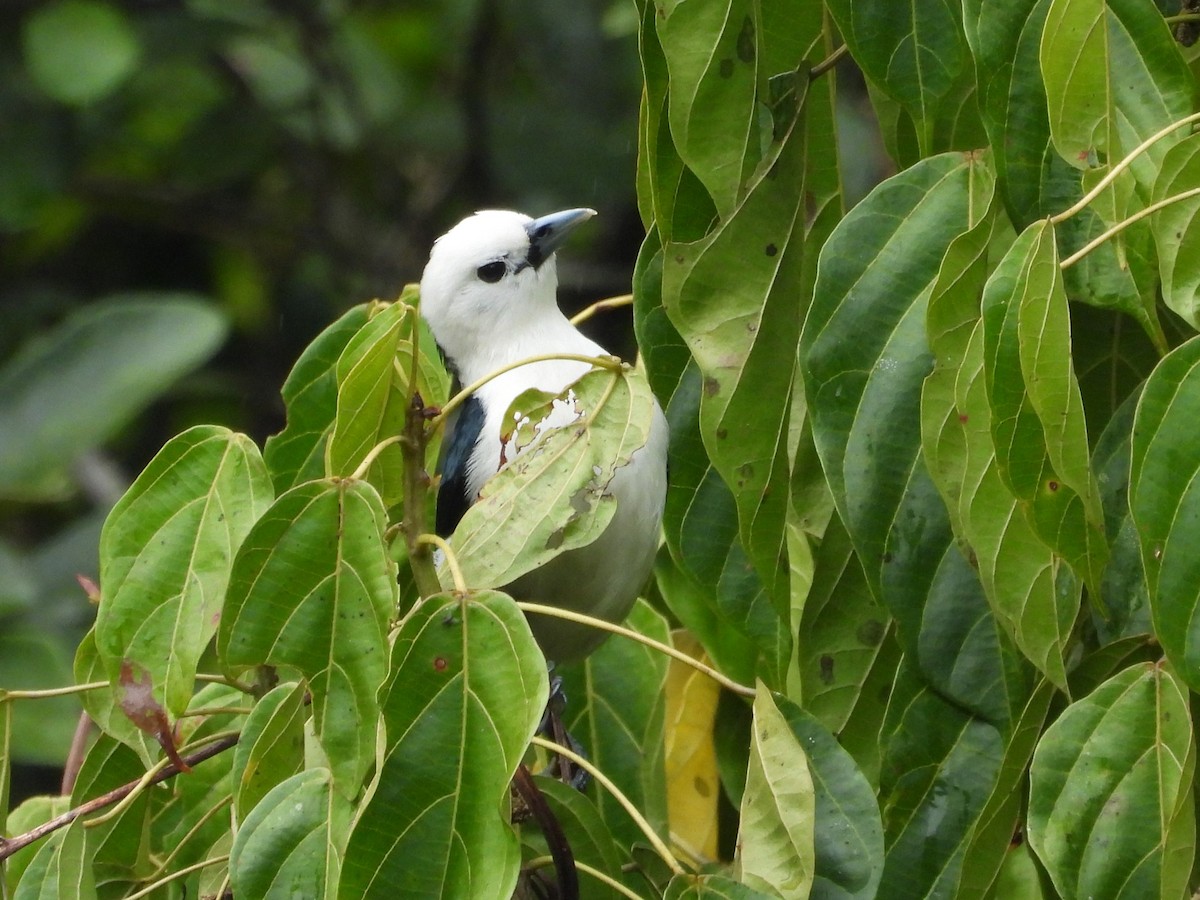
{"x": 556, "y": 840}
{"x": 9, "y": 846}
{"x": 79, "y": 742}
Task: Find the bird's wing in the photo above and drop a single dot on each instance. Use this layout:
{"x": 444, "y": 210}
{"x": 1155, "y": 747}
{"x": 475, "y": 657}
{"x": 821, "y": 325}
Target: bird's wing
{"x": 454, "y": 494}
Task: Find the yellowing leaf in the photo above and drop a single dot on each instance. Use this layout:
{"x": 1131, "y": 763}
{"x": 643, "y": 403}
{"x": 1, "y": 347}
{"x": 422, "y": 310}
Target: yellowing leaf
{"x": 693, "y": 784}
{"x": 775, "y": 842}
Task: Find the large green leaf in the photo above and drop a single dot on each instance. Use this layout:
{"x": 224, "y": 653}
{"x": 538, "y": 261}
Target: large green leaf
{"x": 1111, "y": 789}
{"x": 297, "y": 453}
{"x": 374, "y": 374}
{"x": 1016, "y": 569}
{"x": 940, "y": 766}
{"x": 615, "y": 707}
{"x": 79, "y": 384}
{"x": 287, "y": 846}
{"x": 165, "y": 558}
{"x": 313, "y": 588}
{"x": 701, "y": 526}
{"x": 553, "y": 496}
{"x": 865, "y": 356}
{"x": 1164, "y": 499}
{"x": 469, "y": 687}
{"x": 848, "y": 834}
{"x": 913, "y": 51}
{"x": 778, "y": 809}
{"x": 1074, "y": 57}
{"x": 60, "y": 870}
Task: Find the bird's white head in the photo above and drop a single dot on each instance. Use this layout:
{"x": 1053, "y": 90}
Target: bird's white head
{"x": 493, "y": 275}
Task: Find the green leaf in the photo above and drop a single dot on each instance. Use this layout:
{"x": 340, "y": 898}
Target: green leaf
{"x": 1176, "y": 232}
{"x": 79, "y": 51}
{"x": 33, "y": 659}
{"x": 286, "y": 847}
{"x": 1037, "y": 422}
{"x": 297, "y": 453}
{"x": 78, "y": 385}
{"x": 615, "y": 708}
{"x": 915, "y": 52}
{"x": 587, "y": 832}
{"x": 848, "y": 834}
{"x": 713, "y": 887}
{"x": 60, "y": 870}
{"x": 165, "y": 557}
{"x": 1017, "y": 571}
{"x": 842, "y": 631}
{"x": 313, "y": 588}
{"x": 271, "y": 748}
{"x": 1074, "y": 57}
{"x": 778, "y": 809}
{"x": 999, "y": 821}
{"x": 373, "y": 374}
{"x": 1124, "y": 596}
{"x": 701, "y": 526}
{"x": 118, "y": 848}
{"x": 30, "y": 813}
{"x": 468, "y": 690}
{"x": 1111, "y": 789}
{"x": 552, "y": 496}
{"x": 865, "y": 356}
{"x": 939, "y": 769}
{"x": 1164, "y": 500}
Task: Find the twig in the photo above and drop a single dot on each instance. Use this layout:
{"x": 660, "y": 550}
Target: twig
{"x": 1125, "y": 223}
{"x": 1121, "y": 166}
{"x": 604, "y": 625}
{"x": 600, "y": 305}
{"x": 433, "y": 540}
{"x": 556, "y": 840}
{"x": 634, "y": 813}
{"x": 83, "y": 730}
{"x": 9, "y": 846}
{"x": 827, "y": 63}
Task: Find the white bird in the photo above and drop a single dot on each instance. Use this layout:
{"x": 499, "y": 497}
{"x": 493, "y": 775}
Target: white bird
{"x": 489, "y": 295}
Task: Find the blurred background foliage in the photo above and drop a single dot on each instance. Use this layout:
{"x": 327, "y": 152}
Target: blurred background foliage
{"x": 191, "y": 189}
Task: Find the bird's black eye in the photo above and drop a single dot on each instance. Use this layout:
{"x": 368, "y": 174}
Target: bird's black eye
{"x": 491, "y": 272}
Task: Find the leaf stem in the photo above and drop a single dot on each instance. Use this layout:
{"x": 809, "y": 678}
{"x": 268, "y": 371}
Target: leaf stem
{"x": 221, "y": 804}
{"x": 1125, "y": 223}
{"x": 373, "y": 454}
{"x": 9, "y": 846}
{"x": 604, "y": 625}
{"x": 827, "y": 63}
{"x": 540, "y": 862}
{"x": 606, "y": 783}
{"x": 435, "y": 540}
{"x": 1181, "y": 18}
{"x": 1121, "y": 167}
{"x": 152, "y": 777}
{"x": 209, "y": 678}
{"x": 186, "y": 870}
{"x": 53, "y": 692}
{"x": 600, "y": 362}
{"x": 610, "y": 303}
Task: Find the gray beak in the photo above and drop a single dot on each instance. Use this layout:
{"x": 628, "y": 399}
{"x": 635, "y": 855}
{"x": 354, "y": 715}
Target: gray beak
{"x": 548, "y": 233}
